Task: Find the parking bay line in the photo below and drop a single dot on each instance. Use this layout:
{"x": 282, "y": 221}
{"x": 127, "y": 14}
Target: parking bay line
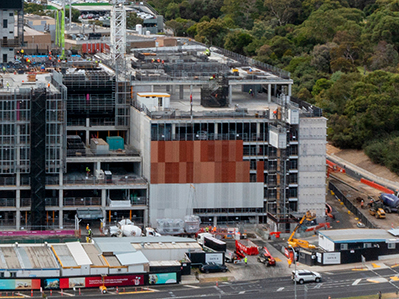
{"x": 280, "y": 289}
{"x": 356, "y": 281}
{"x": 190, "y": 286}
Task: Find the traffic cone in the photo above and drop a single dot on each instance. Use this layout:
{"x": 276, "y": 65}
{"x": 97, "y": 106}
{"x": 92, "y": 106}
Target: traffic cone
{"x": 117, "y": 290}
{"x": 31, "y": 293}
{"x": 80, "y": 292}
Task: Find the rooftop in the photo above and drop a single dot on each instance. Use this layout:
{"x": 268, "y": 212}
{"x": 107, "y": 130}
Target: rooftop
{"x": 356, "y": 235}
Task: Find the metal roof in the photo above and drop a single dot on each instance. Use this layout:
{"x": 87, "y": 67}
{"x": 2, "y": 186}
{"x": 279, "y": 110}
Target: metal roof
{"x": 64, "y": 255}
{"x": 356, "y": 235}
{"x": 78, "y": 253}
{"x": 394, "y": 232}
{"x": 113, "y": 245}
{"x": 94, "y": 255}
{"x": 131, "y": 258}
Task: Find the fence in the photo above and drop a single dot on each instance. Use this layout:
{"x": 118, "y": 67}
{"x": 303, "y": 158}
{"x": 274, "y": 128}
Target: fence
{"x": 349, "y": 205}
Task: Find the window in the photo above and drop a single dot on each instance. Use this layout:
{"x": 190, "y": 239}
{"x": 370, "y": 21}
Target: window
{"x": 391, "y": 245}
{"x": 367, "y": 245}
{"x": 344, "y": 246}
{"x": 11, "y": 14}
{"x": 1, "y": 274}
{"x": 5, "y": 23}
{"x": 13, "y": 274}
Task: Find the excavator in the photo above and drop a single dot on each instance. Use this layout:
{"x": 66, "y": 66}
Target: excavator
{"x": 298, "y": 242}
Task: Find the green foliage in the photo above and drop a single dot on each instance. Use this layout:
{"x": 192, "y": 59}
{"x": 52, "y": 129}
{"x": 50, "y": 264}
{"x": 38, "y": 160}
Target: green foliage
{"x": 236, "y": 41}
{"x": 321, "y": 85}
{"x": 132, "y": 20}
{"x": 33, "y": 8}
{"x": 212, "y": 33}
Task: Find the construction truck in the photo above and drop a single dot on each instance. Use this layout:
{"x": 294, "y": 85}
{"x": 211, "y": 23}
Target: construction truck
{"x": 390, "y": 201}
{"x": 295, "y": 243}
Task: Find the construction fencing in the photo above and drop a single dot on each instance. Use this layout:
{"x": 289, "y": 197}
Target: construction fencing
{"x": 349, "y": 205}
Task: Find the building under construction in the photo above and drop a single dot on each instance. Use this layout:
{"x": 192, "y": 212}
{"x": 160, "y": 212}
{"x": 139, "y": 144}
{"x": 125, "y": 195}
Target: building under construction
{"x": 177, "y": 131}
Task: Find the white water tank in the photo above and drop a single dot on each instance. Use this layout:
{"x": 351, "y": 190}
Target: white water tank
{"x": 147, "y": 32}
{"x": 139, "y": 29}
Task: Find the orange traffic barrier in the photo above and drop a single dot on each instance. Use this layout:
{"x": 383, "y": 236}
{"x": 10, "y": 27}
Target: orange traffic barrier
{"x": 376, "y": 186}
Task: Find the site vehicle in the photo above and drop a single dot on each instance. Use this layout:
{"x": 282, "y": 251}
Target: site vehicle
{"x": 390, "y": 201}
{"x": 377, "y": 212}
{"x": 207, "y": 240}
{"x": 233, "y": 256}
{"x": 298, "y": 242}
{"x": 302, "y": 276}
{"x": 266, "y": 258}
{"x": 213, "y": 267}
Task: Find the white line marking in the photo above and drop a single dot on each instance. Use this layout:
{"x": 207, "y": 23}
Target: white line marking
{"x": 356, "y": 282}
{"x": 242, "y": 292}
{"x": 20, "y": 294}
{"x": 190, "y": 286}
{"x": 63, "y": 293}
{"x": 280, "y": 289}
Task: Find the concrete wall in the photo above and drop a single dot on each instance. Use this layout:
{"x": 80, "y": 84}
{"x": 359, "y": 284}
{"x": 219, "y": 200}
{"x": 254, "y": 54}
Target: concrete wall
{"x": 98, "y": 271}
{"x": 136, "y": 268}
{"x": 178, "y": 200}
{"x": 311, "y": 165}
{"x": 164, "y": 254}
{"x": 8, "y": 33}
{"x": 35, "y": 273}
{"x": 117, "y": 270}
{"x": 140, "y": 138}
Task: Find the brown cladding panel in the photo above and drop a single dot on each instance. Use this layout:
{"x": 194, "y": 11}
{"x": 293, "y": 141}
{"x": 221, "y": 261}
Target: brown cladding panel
{"x": 239, "y": 169}
{"x": 232, "y": 150}
{"x": 225, "y": 150}
{"x": 218, "y": 151}
{"x": 168, "y": 151}
{"x": 182, "y": 151}
{"x": 183, "y": 173}
{"x": 154, "y": 151}
{"x": 161, "y": 151}
{"x": 231, "y": 166}
{"x": 239, "y": 150}
{"x": 218, "y": 172}
{"x": 190, "y": 151}
{"x": 245, "y": 173}
{"x": 154, "y": 173}
{"x": 259, "y": 171}
{"x": 197, "y": 151}
{"x": 197, "y": 172}
{"x": 176, "y": 151}
{"x": 161, "y": 173}
{"x": 190, "y": 172}
{"x": 204, "y": 151}
{"x": 211, "y": 151}
{"x": 171, "y": 173}
{"x": 207, "y": 172}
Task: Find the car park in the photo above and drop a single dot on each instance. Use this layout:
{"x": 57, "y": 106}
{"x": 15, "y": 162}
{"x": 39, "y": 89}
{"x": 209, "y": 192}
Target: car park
{"x": 213, "y": 267}
{"x": 302, "y": 276}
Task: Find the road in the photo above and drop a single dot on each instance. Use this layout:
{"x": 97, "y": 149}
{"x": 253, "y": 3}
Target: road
{"x": 337, "y": 284}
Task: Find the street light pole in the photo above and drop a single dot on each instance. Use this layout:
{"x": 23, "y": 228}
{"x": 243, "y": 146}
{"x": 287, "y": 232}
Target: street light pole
{"x": 293, "y": 251}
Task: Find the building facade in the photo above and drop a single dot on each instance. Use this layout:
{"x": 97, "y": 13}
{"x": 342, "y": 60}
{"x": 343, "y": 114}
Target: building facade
{"x": 11, "y": 28}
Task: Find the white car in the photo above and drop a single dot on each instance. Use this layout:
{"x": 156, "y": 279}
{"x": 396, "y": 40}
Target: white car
{"x": 302, "y": 276}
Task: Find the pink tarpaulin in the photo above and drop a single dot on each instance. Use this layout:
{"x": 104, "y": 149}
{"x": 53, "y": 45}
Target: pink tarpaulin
{"x": 68, "y": 232}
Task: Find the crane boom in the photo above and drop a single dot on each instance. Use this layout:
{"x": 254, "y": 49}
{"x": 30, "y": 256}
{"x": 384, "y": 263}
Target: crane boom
{"x": 298, "y": 242}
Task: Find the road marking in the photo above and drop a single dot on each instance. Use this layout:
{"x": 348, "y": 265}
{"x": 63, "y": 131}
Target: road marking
{"x": 63, "y": 293}
{"x": 375, "y": 265}
{"x": 277, "y": 259}
{"x": 137, "y": 292}
{"x": 394, "y": 266}
{"x": 190, "y": 286}
{"x": 394, "y": 278}
{"x": 280, "y": 289}
{"x": 359, "y": 269}
{"x": 242, "y": 292}
{"x": 20, "y": 294}
{"x": 152, "y": 290}
{"x": 356, "y": 282}
{"x": 318, "y": 286}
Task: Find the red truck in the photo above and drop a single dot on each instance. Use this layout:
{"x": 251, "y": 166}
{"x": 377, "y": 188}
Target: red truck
{"x": 266, "y": 258}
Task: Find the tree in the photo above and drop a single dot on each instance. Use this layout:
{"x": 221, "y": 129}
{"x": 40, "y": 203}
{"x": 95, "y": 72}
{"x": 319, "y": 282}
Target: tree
{"x": 236, "y": 41}
{"x": 212, "y": 33}
{"x": 321, "y": 57}
{"x": 283, "y": 10}
{"x": 384, "y": 56}
{"x": 132, "y": 20}
{"x": 320, "y": 85}
{"x": 180, "y": 26}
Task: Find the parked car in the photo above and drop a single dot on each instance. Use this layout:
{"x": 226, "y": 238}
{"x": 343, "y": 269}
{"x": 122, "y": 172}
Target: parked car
{"x": 213, "y": 267}
{"x": 302, "y": 276}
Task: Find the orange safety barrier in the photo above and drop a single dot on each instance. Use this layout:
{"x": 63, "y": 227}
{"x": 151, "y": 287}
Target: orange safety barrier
{"x": 376, "y": 186}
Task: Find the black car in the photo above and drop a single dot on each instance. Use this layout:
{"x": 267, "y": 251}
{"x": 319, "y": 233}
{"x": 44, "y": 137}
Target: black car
{"x": 213, "y": 267}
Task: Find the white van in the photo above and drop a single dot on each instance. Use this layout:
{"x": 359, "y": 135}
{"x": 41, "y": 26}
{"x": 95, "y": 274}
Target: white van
{"x": 302, "y": 276}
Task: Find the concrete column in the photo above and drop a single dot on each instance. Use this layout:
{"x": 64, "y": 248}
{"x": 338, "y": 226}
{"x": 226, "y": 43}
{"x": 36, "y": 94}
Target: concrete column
{"x": 18, "y": 206}
{"x": 230, "y": 95}
{"x": 289, "y": 89}
{"x": 152, "y": 88}
{"x": 258, "y": 130}
{"x": 97, "y": 166}
{"x": 215, "y": 221}
{"x": 103, "y": 198}
{"x": 181, "y": 93}
{"x": 87, "y": 122}
{"x": 275, "y": 90}
{"x": 60, "y": 210}
{"x": 269, "y": 93}
{"x": 172, "y": 89}
{"x": 87, "y": 137}
{"x": 216, "y": 131}
{"x": 168, "y": 88}
{"x": 173, "y": 131}
{"x": 145, "y": 217}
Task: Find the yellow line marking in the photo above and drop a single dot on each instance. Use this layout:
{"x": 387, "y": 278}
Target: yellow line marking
{"x": 277, "y": 259}
{"x": 360, "y": 269}
{"x": 394, "y": 266}
{"x": 375, "y": 281}
{"x": 375, "y": 265}
{"x": 395, "y": 278}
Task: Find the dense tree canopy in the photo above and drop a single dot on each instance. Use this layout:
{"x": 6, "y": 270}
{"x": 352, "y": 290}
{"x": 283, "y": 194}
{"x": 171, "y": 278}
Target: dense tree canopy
{"x": 342, "y": 56}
